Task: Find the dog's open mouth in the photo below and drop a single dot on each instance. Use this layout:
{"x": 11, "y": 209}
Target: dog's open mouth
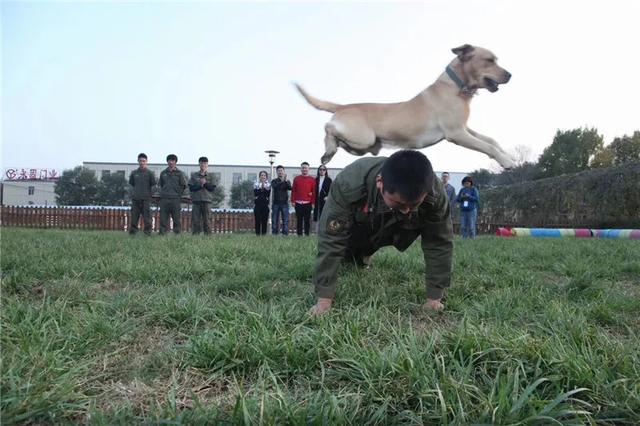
{"x": 490, "y": 84}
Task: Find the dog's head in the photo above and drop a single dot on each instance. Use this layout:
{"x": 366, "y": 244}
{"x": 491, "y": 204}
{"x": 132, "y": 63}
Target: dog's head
{"x": 480, "y": 68}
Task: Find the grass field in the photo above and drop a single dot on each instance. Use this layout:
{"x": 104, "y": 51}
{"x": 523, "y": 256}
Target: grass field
{"x": 102, "y": 328}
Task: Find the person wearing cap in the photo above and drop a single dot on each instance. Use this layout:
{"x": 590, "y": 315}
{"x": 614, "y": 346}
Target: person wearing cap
{"x": 172, "y": 185}
{"x": 376, "y": 202}
{"x": 468, "y": 198}
{"x": 142, "y": 180}
{"x": 201, "y": 185}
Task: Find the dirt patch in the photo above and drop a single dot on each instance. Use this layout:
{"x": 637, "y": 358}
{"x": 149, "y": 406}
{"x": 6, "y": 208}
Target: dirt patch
{"x": 189, "y": 388}
{"x": 126, "y": 381}
{"x": 630, "y": 289}
{"x": 426, "y": 322}
{"x": 109, "y": 286}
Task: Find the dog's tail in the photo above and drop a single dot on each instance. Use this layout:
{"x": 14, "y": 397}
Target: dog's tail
{"x": 315, "y": 102}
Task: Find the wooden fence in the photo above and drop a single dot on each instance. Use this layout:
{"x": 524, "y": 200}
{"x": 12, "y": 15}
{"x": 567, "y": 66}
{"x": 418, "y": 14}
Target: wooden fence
{"x": 117, "y": 219}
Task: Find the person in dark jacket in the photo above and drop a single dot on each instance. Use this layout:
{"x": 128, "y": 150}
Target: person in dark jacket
{"x": 449, "y": 189}
{"x": 201, "y": 186}
{"x": 280, "y": 187}
{"x": 142, "y": 180}
{"x": 173, "y": 182}
{"x": 262, "y": 191}
{"x": 468, "y": 197}
{"x": 323, "y": 184}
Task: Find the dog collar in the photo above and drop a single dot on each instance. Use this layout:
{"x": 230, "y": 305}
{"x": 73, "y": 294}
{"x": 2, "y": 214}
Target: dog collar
{"x": 458, "y": 81}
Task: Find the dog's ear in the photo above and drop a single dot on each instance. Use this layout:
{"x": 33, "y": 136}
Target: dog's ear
{"x": 463, "y": 51}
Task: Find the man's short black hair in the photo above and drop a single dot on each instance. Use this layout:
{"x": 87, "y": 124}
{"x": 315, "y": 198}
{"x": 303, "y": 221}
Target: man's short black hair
{"x": 202, "y": 160}
{"x": 304, "y": 163}
{"x": 407, "y": 173}
{"x": 142, "y": 155}
{"x": 172, "y": 157}
{"x": 279, "y": 166}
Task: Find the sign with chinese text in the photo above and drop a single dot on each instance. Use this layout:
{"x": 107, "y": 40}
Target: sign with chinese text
{"x": 20, "y": 173}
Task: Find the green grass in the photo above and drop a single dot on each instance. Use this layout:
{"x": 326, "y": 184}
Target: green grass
{"x": 102, "y": 328}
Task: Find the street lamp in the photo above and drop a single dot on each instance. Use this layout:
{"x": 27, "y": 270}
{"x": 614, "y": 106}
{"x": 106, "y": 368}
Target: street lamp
{"x": 272, "y": 158}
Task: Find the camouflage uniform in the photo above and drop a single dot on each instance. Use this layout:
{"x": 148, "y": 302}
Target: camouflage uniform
{"x": 172, "y": 186}
{"x": 142, "y": 180}
{"x": 356, "y": 222}
{"x": 201, "y": 198}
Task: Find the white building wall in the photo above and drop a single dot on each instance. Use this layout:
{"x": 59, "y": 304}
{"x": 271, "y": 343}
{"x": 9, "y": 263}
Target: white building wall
{"x": 28, "y": 192}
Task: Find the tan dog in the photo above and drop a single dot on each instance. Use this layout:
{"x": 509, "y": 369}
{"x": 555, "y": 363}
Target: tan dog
{"x": 438, "y": 112}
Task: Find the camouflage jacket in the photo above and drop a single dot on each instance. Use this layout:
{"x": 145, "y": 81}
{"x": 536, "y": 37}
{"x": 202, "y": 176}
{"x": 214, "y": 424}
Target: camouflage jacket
{"x": 356, "y": 217}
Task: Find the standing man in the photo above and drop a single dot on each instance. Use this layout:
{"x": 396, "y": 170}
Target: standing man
{"x": 303, "y": 195}
{"x": 279, "y": 188}
{"x": 449, "y": 189}
{"x": 143, "y": 180}
{"x": 201, "y": 186}
{"x": 172, "y": 185}
{"x": 376, "y": 202}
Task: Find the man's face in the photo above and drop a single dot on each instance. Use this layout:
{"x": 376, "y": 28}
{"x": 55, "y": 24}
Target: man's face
{"x": 467, "y": 184}
{"x": 171, "y": 164}
{"x": 204, "y": 165}
{"x": 142, "y": 162}
{"x": 445, "y": 179}
{"x": 396, "y": 202}
{"x": 304, "y": 169}
{"x": 280, "y": 173}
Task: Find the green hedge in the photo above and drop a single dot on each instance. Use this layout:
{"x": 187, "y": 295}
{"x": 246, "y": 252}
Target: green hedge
{"x": 601, "y": 198}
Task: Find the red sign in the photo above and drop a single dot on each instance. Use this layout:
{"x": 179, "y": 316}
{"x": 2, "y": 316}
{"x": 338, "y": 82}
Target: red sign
{"x": 19, "y": 173}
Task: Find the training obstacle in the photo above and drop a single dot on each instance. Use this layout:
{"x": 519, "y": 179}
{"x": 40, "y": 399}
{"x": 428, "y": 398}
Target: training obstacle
{"x": 632, "y": 234}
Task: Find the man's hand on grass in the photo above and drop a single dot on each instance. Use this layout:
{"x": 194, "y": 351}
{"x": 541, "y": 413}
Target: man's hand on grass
{"x": 322, "y": 306}
{"x": 433, "y": 305}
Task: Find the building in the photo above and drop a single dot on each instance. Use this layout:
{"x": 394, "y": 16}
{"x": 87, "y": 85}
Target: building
{"x": 28, "y": 186}
{"x": 39, "y": 193}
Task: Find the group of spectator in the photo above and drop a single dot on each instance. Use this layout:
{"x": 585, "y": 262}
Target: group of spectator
{"x": 308, "y": 195}
{"x": 172, "y": 184}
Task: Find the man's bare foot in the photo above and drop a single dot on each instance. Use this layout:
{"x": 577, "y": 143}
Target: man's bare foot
{"x": 322, "y": 306}
{"x": 433, "y": 305}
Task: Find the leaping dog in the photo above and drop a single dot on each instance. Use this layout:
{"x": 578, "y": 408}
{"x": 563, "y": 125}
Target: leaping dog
{"x": 439, "y": 112}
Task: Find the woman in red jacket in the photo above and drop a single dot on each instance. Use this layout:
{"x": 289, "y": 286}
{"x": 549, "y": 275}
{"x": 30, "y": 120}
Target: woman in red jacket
{"x": 303, "y": 196}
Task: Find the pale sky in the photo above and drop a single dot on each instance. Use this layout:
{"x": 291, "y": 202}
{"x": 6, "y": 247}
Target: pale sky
{"x": 103, "y": 81}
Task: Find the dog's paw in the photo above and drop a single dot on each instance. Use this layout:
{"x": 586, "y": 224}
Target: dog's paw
{"x": 507, "y": 163}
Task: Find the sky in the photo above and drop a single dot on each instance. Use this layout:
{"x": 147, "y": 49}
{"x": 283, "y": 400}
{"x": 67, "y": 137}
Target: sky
{"x": 103, "y": 81}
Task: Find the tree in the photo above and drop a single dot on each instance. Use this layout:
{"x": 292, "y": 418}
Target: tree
{"x": 626, "y": 149}
{"x": 218, "y": 196}
{"x": 524, "y": 172}
{"x": 77, "y": 187}
{"x": 112, "y": 190}
{"x": 570, "y": 152}
{"x": 242, "y": 195}
{"x": 483, "y": 178}
{"x": 522, "y": 155}
{"x": 603, "y": 158}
